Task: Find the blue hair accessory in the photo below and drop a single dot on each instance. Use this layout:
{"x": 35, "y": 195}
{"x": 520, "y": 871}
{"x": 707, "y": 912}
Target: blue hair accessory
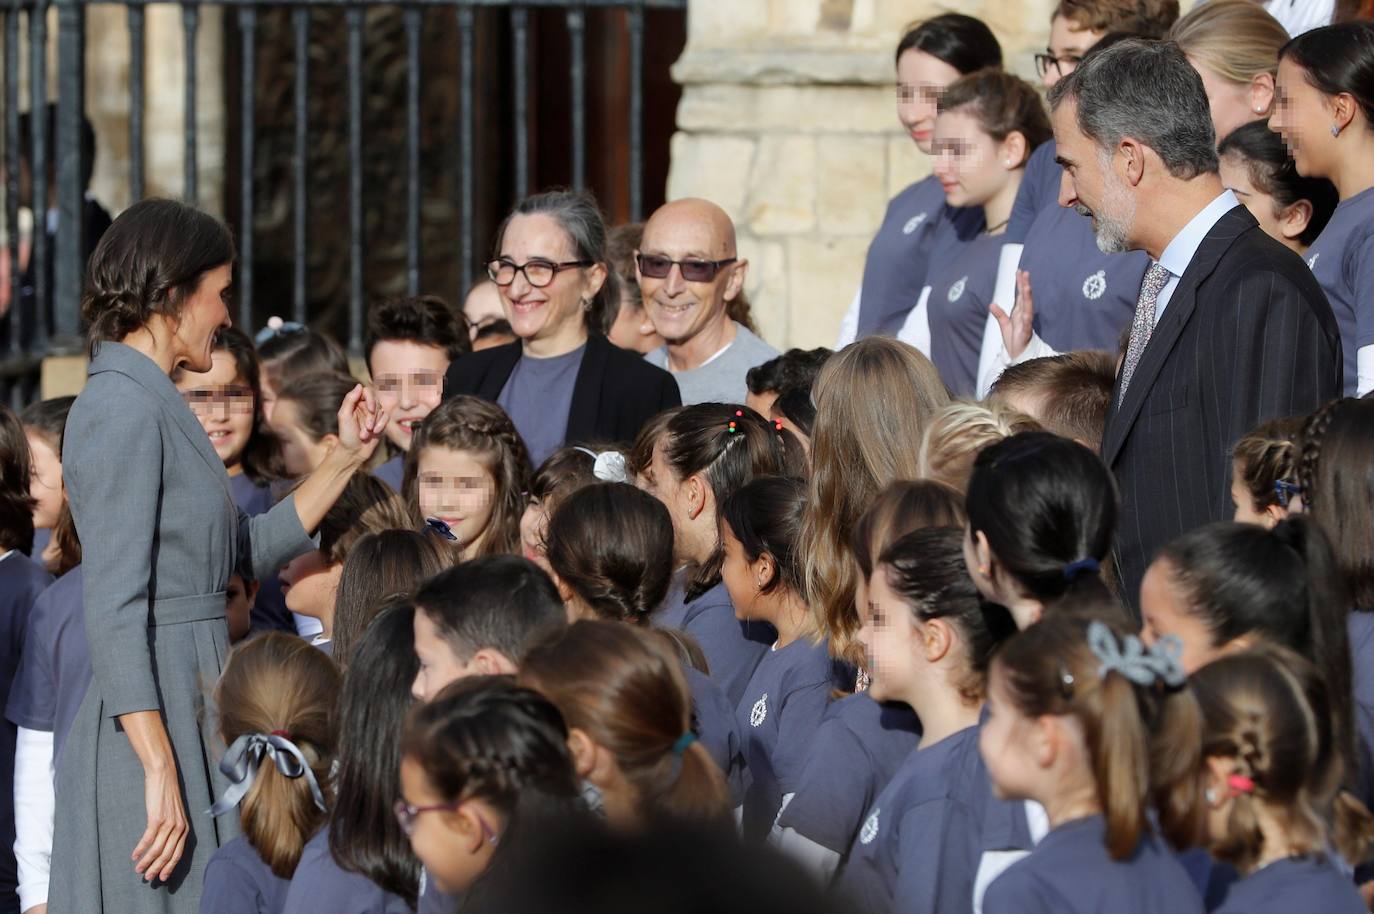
{"x": 276, "y": 327}
{"x": 240, "y": 765}
{"x": 683, "y": 742}
{"x": 1082, "y": 566}
{"x": 440, "y": 529}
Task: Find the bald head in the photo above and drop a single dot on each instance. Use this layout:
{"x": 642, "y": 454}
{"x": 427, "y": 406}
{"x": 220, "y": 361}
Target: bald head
{"x": 693, "y": 221}
{"x": 690, "y": 307}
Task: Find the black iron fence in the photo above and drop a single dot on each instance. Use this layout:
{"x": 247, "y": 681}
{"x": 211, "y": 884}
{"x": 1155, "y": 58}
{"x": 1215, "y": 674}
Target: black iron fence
{"x": 43, "y": 317}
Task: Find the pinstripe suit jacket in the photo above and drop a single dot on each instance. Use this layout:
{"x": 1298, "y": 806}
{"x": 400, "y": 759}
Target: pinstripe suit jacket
{"x": 1248, "y": 336}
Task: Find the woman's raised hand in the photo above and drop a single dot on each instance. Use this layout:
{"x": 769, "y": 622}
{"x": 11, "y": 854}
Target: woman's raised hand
{"x": 361, "y": 423}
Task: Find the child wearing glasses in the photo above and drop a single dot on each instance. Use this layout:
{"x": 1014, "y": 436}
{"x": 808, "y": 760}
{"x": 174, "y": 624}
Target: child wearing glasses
{"x": 410, "y": 343}
{"x": 276, "y": 716}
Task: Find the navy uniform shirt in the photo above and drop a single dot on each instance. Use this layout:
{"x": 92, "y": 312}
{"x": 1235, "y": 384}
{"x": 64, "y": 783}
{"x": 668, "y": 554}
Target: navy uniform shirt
{"x": 538, "y": 396}
{"x": 1070, "y": 872}
{"x": 1292, "y": 885}
{"x": 1084, "y": 299}
{"x": 917, "y": 223}
{"x": 732, "y": 647}
{"x": 321, "y": 886}
{"x": 778, "y": 719}
{"x": 237, "y": 881}
{"x": 1360, "y": 626}
{"x": 1342, "y": 260}
{"x": 55, "y": 671}
{"x": 269, "y": 612}
{"x": 22, "y": 580}
{"x": 714, "y": 724}
{"x": 961, "y": 288}
{"x": 392, "y": 472}
{"x": 859, "y": 746}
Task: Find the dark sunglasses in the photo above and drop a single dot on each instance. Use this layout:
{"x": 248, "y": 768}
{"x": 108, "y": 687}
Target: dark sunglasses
{"x": 655, "y": 266}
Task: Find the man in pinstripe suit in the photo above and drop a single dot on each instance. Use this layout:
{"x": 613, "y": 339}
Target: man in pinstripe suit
{"x": 1230, "y": 328}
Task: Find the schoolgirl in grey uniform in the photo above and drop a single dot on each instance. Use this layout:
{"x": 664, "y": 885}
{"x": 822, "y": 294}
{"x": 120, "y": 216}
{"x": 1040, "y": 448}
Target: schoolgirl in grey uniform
{"x": 160, "y": 536}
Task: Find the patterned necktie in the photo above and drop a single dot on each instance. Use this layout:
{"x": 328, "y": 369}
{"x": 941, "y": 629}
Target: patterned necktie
{"x": 1143, "y": 324}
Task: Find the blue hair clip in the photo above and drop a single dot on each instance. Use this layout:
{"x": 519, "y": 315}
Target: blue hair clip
{"x": 439, "y": 528}
{"x": 1285, "y": 490}
{"x": 276, "y": 327}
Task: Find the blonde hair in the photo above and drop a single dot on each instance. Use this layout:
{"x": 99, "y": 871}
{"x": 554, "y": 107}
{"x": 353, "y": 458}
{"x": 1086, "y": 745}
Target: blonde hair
{"x": 958, "y": 432}
{"x": 278, "y": 682}
{"x": 1235, "y": 39}
{"x": 860, "y": 443}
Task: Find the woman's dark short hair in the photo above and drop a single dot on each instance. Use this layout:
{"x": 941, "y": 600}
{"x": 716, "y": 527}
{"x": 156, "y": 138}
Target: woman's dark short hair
{"x": 965, "y": 43}
{"x": 148, "y": 262}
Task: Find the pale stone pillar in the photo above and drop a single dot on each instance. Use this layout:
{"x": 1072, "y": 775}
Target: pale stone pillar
{"x": 788, "y": 121}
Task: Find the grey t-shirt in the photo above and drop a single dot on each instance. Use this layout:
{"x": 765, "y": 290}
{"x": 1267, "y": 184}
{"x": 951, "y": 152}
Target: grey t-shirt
{"x": 720, "y": 380}
{"x": 1342, "y": 259}
{"x": 537, "y": 397}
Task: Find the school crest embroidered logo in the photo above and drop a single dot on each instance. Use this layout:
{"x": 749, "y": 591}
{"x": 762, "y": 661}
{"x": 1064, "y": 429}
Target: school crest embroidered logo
{"x": 759, "y": 713}
{"x": 913, "y": 223}
{"x": 1095, "y": 285}
{"x": 956, "y": 291}
{"x": 870, "y": 829}
{"x": 1312, "y": 261}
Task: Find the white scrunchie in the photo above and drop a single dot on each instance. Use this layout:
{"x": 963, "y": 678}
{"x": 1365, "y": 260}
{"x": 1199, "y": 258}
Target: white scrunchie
{"x": 608, "y": 466}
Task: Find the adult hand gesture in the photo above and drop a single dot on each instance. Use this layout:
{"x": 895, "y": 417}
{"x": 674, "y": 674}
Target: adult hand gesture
{"x": 1016, "y": 327}
{"x": 361, "y": 424}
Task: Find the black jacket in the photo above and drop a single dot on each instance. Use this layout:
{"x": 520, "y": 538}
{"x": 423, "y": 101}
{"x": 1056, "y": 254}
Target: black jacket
{"x": 615, "y": 394}
{"x": 1248, "y": 335}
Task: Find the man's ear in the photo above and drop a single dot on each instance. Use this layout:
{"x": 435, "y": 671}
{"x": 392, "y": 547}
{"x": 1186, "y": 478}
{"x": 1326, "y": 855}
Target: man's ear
{"x": 491, "y": 662}
{"x": 739, "y": 271}
{"x": 1132, "y": 155}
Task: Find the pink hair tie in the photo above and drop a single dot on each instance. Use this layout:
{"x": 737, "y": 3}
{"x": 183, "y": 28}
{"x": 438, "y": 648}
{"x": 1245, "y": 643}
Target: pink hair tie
{"x": 1240, "y": 784}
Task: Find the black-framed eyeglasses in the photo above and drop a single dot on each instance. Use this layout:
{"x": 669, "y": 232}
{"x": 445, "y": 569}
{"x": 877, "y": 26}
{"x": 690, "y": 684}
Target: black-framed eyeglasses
{"x": 656, "y": 266}
{"x": 1043, "y": 62}
{"x": 538, "y": 273}
{"x": 1286, "y": 491}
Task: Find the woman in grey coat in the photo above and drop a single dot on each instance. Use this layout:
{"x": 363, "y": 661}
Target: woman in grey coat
{"x": 161, "y": 535}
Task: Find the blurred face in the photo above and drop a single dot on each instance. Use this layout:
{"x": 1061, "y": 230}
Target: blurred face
{"x": 482, "y": 306}
{"x": 1235, "y": 174}
{"x": 300, "y": 453}
{"x": 552, "y": 314}
{"x": 457, "y": 488}
{"x": 439, "y": 665}
{"x": 310, "y": 584}
{"x": 409, "y": 380}
{"x": 632, "y": 329}
{"x": 1230, "y": 102}
{"x": 741, "y": 576}
{"x": 679, "y": 309}
{"x": 1090, "y": 183}
{"x": 455, "y": 845}
{"x": 1304, "y": 118}
{"x": 970, "y": 165}
{"x": 1244, "y": 502}
{"x": 45, "y": 481}
{"x": 269, "y": 396}
{"x": 676, "y": 494}
{"x": 223, "y": 402}
{"x": 892, "y": 642}
{"x": 205, "y": 313}
{"x": 921, "y": 79}
{"x": 761, "y": 403}
{"x": 534, "y": 526}
{"x": 1165, "y": 610}
{"x": 1003, "y": 741}
{"x": 1068, "y": 44}
{"x": 239, "y": 608}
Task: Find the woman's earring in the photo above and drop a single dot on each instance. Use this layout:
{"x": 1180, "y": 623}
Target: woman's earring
{"x": 1259, "y": 110}
{"x": 586, "y": 304}
{"x": 1210, "y": 796}
{"x": 1335, "y": 130}
{"x": 984, "y": 570}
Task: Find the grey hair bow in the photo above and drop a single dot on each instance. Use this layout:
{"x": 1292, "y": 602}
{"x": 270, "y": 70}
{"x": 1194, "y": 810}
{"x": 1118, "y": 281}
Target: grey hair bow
{"x": 240, "y": 765}
{"x": 1132, "y": 659}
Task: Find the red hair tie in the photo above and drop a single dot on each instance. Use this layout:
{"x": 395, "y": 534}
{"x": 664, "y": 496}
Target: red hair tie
{"x": 284, "y": 734}
{"x": 1240, "y": 784}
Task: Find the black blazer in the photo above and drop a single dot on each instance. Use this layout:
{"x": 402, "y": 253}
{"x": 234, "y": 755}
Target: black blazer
{"x": 1247, "y": 336}
{"x": 615, "y": 394}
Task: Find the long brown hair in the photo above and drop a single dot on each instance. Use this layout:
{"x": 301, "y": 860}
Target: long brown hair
{"x": 366, "y": 505}
{"x": 380, "y": 566}
{"x": 278, "y": 682}
{"x": 1267, "y": 455}
{"x": 1337, "y": 477}
{"x": 482, "y": 429}
{"x": 900, "y": 508}
{"x": 625, "y": 688}
{"x": 1144, "y": 743}
{"x": 16, "y": 505}
{"x": 860, "y": 443}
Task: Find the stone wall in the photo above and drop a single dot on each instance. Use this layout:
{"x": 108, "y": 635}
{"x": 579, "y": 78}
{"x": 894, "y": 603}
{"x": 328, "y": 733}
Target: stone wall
{"x": 788, "y": 120}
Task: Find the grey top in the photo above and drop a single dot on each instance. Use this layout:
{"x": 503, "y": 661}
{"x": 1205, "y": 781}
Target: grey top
{"x": 537, "y": 397}
{"x": 1342, "y": 260}
{"x": 392, "y": 472}
{"x": 1294, "y": 884}
{"x": 321, "y": 886}
{"x": 237, "y": 881}
{"x": 732, "y": 647}
{"x": 160, "y": 535}
{"x": 961, "y": 288}
{"x": 721, "y": 379}
{"x": 55, "y": 671}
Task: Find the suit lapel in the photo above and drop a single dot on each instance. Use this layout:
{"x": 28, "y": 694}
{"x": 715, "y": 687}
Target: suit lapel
{"x": 1177, "y": 313}
{"x": 586, "y": 398}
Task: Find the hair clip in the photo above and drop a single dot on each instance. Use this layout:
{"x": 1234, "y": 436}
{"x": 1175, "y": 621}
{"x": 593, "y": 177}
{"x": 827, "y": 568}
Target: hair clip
{"x": 276, "y": 327}
{"x": 777, "y": 425}
{"x": 739, "y": 413}
{"x": 731, "y": 427}
{"x": 439, "y": 528}
{"x": 1066, "y": 681}
{"x": 607, "y": 466}
{"x": 1285, "y": 490}
{"x": 1240, "y": 785}
{"x": 247, "y": 753}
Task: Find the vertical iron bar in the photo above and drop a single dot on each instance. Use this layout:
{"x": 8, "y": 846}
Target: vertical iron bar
{"x": 466, "y": 129}
{"x": 136, "y": 94}
{"x": 300, "y": 21}
{"x": 577, "y": 39}
{"x": 636, "y": 23}
{"x": 413, "y": 16}
{"x": 520, "y": 56}
{"x": 354, "y": 19}
{"x": 11, "y": 79}
{"x": 190, "y": 25}
{"x": 248, "y": 26}
{"x": 67, "y": 262}
{"x": 38, "y": 171}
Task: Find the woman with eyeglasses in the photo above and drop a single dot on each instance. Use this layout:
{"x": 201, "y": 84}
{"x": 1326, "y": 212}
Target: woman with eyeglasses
{"x": 563, "y": 381}
{"x": 930, "y": 56}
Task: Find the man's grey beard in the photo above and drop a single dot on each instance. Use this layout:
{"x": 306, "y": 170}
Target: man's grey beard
{"x": 1114, "y": 216}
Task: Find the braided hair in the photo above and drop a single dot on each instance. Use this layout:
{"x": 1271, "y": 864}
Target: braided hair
{"x": 1337, "y": 479}
{"x": 482, "y": 429}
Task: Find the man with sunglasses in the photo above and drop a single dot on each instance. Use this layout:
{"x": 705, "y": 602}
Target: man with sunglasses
{"x": 689, "y": 271}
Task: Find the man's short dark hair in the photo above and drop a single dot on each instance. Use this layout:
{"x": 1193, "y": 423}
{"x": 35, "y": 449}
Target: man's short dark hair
{"x": 1074, "y": 391}
{"x": 423, "y": 319}
{"x": 1146, "y": 90}
{"x": 498, "y": 601}
{"x": 795, "y": 369}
